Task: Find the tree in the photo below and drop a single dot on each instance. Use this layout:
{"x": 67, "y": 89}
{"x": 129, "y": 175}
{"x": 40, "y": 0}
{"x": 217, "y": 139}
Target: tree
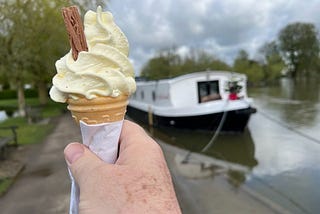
{"x": 41, "y": 64}
{"x": 33, "y": 37}
{"x": 251, "y": 68}
{"x": 299, "y": 46}
{"x": 162, "y": 66}
{"x": 205, "y": 61}
{"x": 43, "y": 53}
{"x": 273, "y": 62}
{"x": 170, "y": 64}
{"x": 241, "y": 62}
{"x": 31, "y": 44}
{"x": 13, "y": 54}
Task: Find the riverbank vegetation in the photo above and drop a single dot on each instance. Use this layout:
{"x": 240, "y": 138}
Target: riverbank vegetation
{"x": 295, "y": 53}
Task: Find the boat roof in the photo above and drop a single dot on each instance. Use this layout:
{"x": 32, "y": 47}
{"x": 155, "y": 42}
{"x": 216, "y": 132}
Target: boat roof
{"x": 199, "y": 73}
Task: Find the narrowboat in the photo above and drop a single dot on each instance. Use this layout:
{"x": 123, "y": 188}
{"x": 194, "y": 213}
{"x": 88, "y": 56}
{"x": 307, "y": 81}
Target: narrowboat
{"x": 202, "y": 100}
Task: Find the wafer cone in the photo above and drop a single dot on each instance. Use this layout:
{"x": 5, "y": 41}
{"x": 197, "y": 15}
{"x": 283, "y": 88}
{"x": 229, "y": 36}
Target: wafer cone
{"x": 98, "y": 110}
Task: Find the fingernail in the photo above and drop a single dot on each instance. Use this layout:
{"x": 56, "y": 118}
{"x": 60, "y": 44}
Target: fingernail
{"x": 73, "y": 152}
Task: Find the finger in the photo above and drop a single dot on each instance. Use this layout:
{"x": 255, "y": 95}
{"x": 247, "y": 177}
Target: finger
{"x": 136, "y": 145}
{"x": 81, "y": 161}
{"x": 131, "y": 130}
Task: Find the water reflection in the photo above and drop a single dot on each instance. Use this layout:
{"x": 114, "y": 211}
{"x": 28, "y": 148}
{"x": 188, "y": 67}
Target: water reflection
{"x": 238, "y": 149}
{"x": 235, "y": 153}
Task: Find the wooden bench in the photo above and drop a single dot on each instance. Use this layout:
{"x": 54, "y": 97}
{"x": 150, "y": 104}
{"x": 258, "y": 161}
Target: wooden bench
{"x": 5, "y": 140}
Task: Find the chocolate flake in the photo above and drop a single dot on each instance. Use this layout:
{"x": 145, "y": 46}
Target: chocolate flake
{"x": 75, "y": 30}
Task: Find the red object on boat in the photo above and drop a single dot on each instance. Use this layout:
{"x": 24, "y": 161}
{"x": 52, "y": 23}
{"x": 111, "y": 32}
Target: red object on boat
{"x": 233, "y": 96}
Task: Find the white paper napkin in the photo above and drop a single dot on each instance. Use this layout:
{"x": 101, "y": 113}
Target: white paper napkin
{"x": 103, "y": 140}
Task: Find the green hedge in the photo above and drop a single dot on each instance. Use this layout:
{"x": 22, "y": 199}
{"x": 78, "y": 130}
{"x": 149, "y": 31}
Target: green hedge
{"x": 8, "y": 94}
{"x": 12, "y": 94}
{"x": 31, "y": 93}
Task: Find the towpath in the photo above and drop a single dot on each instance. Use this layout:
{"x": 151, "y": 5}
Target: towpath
{"x": 43, "y": 186}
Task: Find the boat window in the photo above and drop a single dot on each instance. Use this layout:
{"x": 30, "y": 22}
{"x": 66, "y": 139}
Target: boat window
{"x": 208, "y": 90}
{"x": 142, "y": 95}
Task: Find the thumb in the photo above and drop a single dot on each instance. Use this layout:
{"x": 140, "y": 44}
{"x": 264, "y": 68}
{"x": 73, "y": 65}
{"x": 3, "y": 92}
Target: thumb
{"x": 81, "y": 161}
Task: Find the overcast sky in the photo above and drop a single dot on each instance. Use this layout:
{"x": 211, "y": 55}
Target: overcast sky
{"x": 221, "y": 27}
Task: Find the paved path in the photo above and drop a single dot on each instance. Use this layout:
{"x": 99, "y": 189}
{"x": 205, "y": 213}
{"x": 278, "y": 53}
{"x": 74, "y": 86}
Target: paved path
{"x": 44, "y": 186}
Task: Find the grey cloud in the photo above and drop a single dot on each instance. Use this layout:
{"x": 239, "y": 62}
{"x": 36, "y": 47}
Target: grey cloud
{"x": 222, "y": 27}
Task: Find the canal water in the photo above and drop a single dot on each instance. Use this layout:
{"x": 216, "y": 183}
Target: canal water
{"x": 281, "y": 146}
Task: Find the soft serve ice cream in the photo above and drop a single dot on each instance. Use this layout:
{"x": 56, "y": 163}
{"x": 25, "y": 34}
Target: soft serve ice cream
{"x": 103, "y": 71}
{"x": 96, "y": 79}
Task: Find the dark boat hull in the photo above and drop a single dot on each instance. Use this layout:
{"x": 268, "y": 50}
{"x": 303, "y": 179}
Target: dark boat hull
{"x": 235, "y": 120}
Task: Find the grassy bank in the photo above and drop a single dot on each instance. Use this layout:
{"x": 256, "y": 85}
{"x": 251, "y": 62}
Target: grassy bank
{"x": 5, "y": 183}
{"x": 31, "y": 133}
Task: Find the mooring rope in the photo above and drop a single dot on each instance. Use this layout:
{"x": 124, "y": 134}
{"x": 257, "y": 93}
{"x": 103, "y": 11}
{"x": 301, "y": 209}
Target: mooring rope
{"x": 218, "y": 130}
{"x": 215, "y": 135}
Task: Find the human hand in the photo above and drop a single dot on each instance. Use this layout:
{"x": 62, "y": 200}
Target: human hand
{"x": 139, "y": 181}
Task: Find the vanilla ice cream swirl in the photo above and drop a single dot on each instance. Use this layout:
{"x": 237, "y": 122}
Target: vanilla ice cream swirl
{"x": 104, "y": 70}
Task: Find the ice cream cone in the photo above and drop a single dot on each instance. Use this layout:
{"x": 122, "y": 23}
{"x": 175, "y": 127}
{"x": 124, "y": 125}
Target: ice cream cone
{"x": 98, "y": 110}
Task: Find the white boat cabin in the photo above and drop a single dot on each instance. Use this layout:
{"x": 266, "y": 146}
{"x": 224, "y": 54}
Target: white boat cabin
{"x": 187, "y": 91}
